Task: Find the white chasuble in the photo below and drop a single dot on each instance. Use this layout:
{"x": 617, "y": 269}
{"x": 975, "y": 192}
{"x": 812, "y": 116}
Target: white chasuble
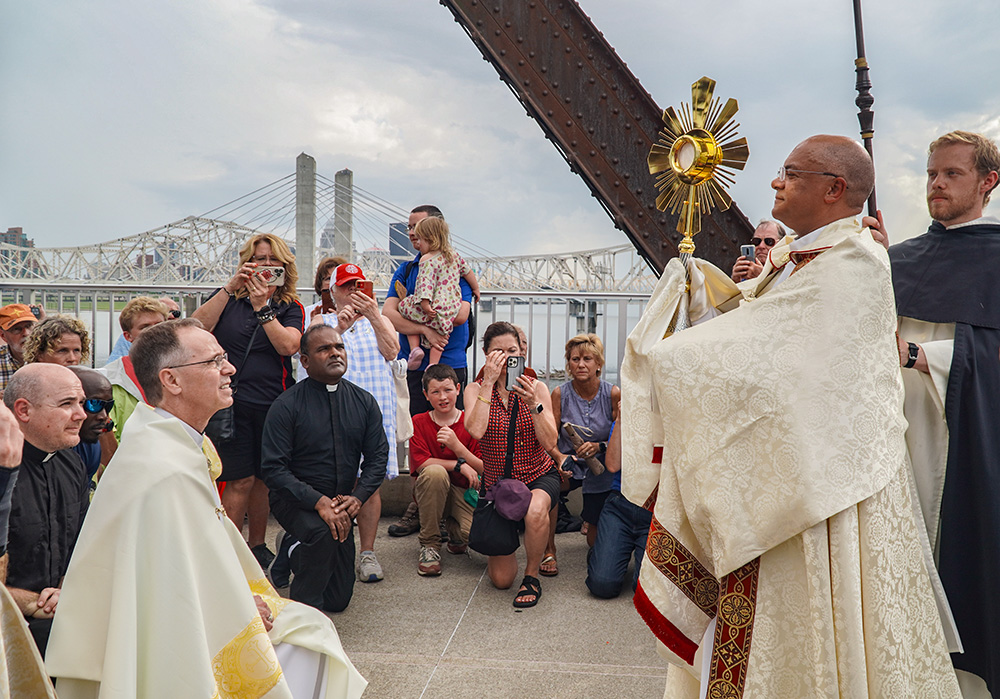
{"x": 158, "y": 598}
{"x": 768, "y": 443}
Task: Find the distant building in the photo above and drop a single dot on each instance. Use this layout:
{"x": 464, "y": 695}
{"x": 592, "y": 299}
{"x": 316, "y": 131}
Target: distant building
{"x": 16, "y": 236}
{"x": 399, "y": 242}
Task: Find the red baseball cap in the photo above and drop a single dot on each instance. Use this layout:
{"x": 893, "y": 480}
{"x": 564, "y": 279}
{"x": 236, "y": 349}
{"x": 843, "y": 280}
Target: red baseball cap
{"x": 347, "y": 273}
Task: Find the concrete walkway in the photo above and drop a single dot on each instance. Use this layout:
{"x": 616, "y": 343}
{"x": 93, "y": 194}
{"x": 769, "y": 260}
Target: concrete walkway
{"x": 457, "y": 636}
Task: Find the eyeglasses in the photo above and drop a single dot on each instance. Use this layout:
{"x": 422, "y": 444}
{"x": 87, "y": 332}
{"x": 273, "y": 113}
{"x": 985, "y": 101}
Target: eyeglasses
{"x": 96, "y": 405}
{"x": 783, "y": 171}
{"x": 175, "y": 314}
{"x": 219, "y": 360}
{"x": 769, "y": 242}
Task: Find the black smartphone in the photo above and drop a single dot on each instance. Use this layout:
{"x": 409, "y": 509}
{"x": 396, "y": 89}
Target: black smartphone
{"x": 515, "y": 367}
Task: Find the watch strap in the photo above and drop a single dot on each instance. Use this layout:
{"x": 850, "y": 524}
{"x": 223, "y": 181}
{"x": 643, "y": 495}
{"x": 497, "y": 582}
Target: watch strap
{"x": 914, "y": 352}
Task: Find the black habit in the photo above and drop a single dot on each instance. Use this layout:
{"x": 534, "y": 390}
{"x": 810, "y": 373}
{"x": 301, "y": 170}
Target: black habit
{"x": 948, "y": 276}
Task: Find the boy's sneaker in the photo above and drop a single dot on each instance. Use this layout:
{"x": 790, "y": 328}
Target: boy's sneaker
{"x": 457, "y": 548}
{"x": 408, "y": 524}
{"x": 369, "y": 569}
{"x": 429, "y": 562}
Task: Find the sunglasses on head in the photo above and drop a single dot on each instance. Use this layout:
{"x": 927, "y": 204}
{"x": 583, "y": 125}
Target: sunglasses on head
{"x": 769, "y": 242}
{"x": 95, "y": 405}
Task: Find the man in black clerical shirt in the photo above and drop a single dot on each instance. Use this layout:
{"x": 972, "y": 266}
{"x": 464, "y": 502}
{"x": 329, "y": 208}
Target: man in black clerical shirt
{"x": 51, "y": 495}
{"x": 316, "y": 435}
{"x": 948, "y": 303}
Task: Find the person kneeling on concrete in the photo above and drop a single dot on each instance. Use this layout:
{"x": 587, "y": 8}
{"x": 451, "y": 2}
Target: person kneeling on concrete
{"x": 445, "y": 461}
{"x": 621, "y": 533}
{"x": 315, "y": 436}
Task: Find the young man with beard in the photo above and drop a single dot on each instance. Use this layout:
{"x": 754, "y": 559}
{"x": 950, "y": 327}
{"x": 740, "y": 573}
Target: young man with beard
{"x": 948, "y": 302}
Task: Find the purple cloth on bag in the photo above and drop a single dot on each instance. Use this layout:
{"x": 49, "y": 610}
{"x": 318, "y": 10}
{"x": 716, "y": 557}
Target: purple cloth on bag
{"x": 511, "y": 498}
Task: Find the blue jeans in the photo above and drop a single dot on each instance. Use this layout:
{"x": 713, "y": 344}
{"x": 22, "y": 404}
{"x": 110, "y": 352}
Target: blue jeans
{"x": 621, "y": 534}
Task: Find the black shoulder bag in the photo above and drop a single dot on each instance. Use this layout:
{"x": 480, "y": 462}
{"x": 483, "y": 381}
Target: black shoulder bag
{"x": 221, "y": 427}
{"x": 491, "y": 533}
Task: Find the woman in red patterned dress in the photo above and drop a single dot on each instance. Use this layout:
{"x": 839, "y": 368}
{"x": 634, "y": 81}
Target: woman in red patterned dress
{"x": 487, "y": 418}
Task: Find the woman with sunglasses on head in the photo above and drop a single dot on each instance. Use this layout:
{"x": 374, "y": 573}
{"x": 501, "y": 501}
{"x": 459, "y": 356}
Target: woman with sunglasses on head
{"x": 258, "y": 320}
{"x": 765, "y": 237}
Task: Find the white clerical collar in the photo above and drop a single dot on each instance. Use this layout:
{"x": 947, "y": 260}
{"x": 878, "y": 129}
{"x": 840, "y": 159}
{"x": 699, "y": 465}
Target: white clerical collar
{"x": 802, "y": 242}
{"x": 982, "y": 220}
{"x": 332, "y": 387}
{"x": 194, "y": 434}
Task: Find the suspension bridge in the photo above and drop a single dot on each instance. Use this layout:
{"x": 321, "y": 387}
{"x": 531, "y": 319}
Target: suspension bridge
{"x": 317, "y": 216}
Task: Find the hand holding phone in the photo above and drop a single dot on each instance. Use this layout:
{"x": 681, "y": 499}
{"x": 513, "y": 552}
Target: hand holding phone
{"x": 515, "y": 368}
{"x": 272, "y": 276}
{"x": 749, "y": 252}
{"x": 366, "y": 287}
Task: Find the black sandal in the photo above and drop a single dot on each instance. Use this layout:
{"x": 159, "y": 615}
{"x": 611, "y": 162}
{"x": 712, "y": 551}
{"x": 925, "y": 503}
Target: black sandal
{"x": 529, "y": 586}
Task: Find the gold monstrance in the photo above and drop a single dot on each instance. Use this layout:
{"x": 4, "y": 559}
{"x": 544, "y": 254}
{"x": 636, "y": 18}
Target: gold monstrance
{"x": 692, "y": 160}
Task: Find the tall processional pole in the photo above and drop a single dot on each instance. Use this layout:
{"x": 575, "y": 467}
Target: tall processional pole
{"x": 866, "y": 117}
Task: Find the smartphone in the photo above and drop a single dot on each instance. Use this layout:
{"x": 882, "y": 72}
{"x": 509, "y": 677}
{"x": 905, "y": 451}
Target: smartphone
{"x": 749, "y": 252}
{"x": 515, "y": 367}
{"x": 326, "y": 301}
{"x": 274, "y": 276}
{"x": 36, "y": 310}
{"x": 366, "y": 287}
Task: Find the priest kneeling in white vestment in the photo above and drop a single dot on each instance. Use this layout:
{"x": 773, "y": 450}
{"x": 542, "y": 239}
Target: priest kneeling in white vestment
{"x": 162, "y": 597}
{"x": 784, "y": 558}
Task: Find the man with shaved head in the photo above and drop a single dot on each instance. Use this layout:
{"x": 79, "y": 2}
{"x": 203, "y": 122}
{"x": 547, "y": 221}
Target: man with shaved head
{"x": 98, "y": 402}
{"x": 51, "y": 495}
{"x": 784, "y": 557}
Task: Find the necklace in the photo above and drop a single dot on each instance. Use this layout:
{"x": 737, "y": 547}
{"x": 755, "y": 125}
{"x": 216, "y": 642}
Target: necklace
{"x": 458, "y": 414}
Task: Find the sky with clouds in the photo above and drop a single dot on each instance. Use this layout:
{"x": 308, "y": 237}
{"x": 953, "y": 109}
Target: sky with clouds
{"x": 119, "y": 116}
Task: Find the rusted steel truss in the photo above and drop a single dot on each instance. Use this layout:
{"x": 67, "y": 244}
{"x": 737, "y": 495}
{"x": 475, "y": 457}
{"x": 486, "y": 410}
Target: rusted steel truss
{"x": 595, "y": 112}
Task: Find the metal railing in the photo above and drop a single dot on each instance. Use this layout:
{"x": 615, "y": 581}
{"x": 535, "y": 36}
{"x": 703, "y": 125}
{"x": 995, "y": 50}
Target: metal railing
{"x": 549, "y": 318}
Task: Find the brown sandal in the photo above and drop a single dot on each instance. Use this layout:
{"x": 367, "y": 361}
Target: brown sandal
{"x": 552, "y": 570}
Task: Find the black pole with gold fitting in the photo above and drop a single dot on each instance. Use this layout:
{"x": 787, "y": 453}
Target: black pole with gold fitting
{"x": 866, "y": 117}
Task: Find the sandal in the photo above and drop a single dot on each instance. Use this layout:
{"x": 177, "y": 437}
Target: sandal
{"x": 529, "y": 587}
{"x": 553, "y": 567}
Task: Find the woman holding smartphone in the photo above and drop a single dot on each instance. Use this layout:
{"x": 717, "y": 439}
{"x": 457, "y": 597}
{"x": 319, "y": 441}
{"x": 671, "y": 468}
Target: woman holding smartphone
{"x": 488, "y": 404}
{"x": 256, "y": 315}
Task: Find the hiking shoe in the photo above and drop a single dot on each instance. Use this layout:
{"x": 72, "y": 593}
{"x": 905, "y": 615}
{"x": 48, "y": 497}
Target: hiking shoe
{"x": 429, "y": 562}
{"x": 408, "y": 524}
{"x": 263, "y": 555}
{"x": 369, "y": 569}
{"x": 457, "y": 548}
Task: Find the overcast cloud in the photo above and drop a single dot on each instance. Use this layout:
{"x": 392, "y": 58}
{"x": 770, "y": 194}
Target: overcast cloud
{"x": 121, "y": 116}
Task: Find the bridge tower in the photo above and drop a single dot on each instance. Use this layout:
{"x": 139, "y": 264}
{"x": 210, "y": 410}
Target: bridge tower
{"x": 305, "y": 215}
{"x": 343, "y": 214}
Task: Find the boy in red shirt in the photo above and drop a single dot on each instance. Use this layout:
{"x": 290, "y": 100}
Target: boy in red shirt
{"x": 445, "y": 461}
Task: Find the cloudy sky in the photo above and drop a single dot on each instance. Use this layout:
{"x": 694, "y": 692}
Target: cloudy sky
{"x": 120, "y": 116}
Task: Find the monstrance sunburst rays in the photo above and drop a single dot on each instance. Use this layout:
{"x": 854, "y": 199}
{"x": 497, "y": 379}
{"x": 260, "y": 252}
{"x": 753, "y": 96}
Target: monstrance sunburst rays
{"x": 695, "y": 158}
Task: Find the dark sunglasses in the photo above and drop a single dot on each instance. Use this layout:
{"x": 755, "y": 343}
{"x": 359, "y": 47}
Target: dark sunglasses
{"x": 95, "y": 405}
{"x": 175, "y": 314}
{"x": 769, "y": 242}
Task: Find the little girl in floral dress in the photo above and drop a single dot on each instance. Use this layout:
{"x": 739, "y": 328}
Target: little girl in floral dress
{"x": 436, "y": 297}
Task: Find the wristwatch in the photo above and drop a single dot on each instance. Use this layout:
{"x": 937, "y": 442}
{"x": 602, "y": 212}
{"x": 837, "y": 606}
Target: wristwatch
{"x": 911, "y": 359}
{"x": 458, "y": 466}
{"x": 538, "y": 409}
{"x": 602, "y": 447}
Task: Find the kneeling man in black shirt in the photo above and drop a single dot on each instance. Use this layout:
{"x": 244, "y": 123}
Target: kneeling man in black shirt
{"x": 315, "y": 437}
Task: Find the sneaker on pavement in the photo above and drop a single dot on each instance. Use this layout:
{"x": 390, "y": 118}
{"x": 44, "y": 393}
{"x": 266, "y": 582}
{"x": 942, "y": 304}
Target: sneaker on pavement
{"x": 369, "y": 569}
{"x": 429, "y": 562}
{"x": 457, "y": 548}
{"x": 408, "y": 524}
{"x": 263, "y": 555}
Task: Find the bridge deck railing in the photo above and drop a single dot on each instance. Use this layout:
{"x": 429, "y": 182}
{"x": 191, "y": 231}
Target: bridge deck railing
{"x": 549, "y": 318}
